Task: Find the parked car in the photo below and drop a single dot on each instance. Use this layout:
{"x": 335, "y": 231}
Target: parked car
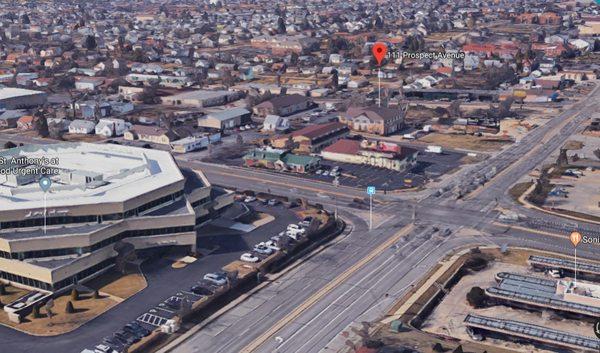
{"x": 295, "y": 236}
{"x": 273, "y": 202}
{"x": 293, "y": 226}
{"x": 102, "y": 348}
{"x": 272, "y": 245}
{"x": 216, "y": 278}
{"x": 201, "y": 290}
{"x": 296, "y": 230}
{"x": 126, "y": 337}
{"x": 555, "y": 273}
{"x": 136, "y": 327}
{"x": 173, "y": 303}
{"x": 262, "y": 249}
{"x": 474, "y": 335}
{"x": 114, "y": 343}
{"x": 319, "y": 172}
{"x": 325, "y": 173}
{"x": 136, "y": 333}
{"x": 249, "y": 257}
{"x": 305, "y": 222}
{"x": 249, "y": 199}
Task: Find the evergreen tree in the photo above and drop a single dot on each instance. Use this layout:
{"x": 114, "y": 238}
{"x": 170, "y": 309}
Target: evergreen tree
{"x": 69, "y": 309}
{"x": 36, "y": 311}
{"x": 90, "y": 42}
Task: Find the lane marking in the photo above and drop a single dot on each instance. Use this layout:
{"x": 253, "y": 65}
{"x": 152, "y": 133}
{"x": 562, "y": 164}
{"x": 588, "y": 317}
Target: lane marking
{"x": 260, "y": 340}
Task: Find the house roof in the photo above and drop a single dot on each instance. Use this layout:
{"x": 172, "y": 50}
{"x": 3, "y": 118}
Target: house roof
{"x": 148, "y": 130}
{"x": 82, "y": 124}
{"x": 283, "y": 101}
{"x": 318, "y": 130}
{"x": 25, "y": 119}
{"x": 295, "y": 159}
{"x": 373, "y": 113}
{"x": 228, "y": 114}
{"x": 344, "y": 146}
{"x": 12, "y": 114}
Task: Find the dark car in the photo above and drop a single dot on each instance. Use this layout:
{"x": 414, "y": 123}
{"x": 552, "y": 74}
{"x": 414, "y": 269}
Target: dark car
{"x": 137, "y": 327}
{"x": 201, "y": 290}
{"x": 115, "y": 343}
{"x": 126, "y": 338}
{"x": 173, "y": 303}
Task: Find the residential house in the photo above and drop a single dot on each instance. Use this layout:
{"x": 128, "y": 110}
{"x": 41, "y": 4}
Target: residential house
{"x": 312, "y": 138}
{"x": 9, "y": 118}
{"x": 374, "y": 120}
{"x": 88, "y": 83}
{"x": 25, "y": 122}
{"x": 81, "y": 126}
{"x": 152, "y": 134}
{"x": 226, "y": 119}
{"x": 193, "y": 143}
{"x": 111, "y": 127}
{"x": 283, "y": 105}
{"x": 276, "y": 123}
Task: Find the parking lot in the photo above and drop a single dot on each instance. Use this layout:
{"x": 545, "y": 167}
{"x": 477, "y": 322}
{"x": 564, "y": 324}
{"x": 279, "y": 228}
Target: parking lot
{"x": 429, "y": 165}
{"x": 157, "y": 302}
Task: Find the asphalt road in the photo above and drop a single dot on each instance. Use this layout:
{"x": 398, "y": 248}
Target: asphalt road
{"x": 271, "y": 323}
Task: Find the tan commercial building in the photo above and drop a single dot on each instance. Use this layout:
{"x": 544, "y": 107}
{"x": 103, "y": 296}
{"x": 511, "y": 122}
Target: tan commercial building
{"x": 101, "y": 199}
{"x": 374, "y": 120}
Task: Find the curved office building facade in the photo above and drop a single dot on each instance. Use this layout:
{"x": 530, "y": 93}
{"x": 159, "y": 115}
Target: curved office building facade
{"x": 100, "y": 195}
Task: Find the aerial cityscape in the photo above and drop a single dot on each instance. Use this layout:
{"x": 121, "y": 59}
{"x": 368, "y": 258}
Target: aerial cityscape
{"x": 316, "y": 176}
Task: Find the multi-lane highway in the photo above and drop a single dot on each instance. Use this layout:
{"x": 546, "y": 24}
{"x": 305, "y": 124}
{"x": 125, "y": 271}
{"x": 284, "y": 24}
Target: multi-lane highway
{"x": 357, "y": 277}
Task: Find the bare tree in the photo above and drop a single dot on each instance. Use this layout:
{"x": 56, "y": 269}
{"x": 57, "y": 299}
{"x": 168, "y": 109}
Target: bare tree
{"x": 454, "y": 109}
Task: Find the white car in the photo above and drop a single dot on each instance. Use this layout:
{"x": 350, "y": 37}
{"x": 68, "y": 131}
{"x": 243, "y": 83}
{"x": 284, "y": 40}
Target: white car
{"x": 215, "y": 279}
{"x": 247, "y": 257}
{"x": 319, "y": 172}
{"x": 262, "y": 249}
{"x": 304, "y": 224}
{"x": 272, "y": 245}
{"x": 325, "y": 173}
{"x": 293, "y": 226}
{"x": 248, "y": 127}
{"x": 249, "y": 199}
{"x": 295, "y": 236}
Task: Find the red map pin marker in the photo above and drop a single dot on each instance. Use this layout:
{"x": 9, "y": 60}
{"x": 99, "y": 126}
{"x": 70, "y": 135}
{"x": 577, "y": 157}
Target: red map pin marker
{"x": 379, "y": 51}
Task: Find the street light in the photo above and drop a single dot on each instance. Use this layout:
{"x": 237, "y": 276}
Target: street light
{"x": 336, "y": 183}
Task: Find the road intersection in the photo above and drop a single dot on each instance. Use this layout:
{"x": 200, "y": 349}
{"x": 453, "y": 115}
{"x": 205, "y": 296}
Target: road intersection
{"x": 305, "y": 309}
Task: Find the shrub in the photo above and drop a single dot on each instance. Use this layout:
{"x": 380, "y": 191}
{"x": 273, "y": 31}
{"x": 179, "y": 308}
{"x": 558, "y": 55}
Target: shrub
{"x": 476, "y": 297}
{"x": 74, "y": 294}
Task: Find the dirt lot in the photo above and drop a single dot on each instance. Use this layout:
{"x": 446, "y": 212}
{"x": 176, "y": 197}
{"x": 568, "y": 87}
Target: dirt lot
{"x": 583, "y": 194}
{"x": 464, "y": 142}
